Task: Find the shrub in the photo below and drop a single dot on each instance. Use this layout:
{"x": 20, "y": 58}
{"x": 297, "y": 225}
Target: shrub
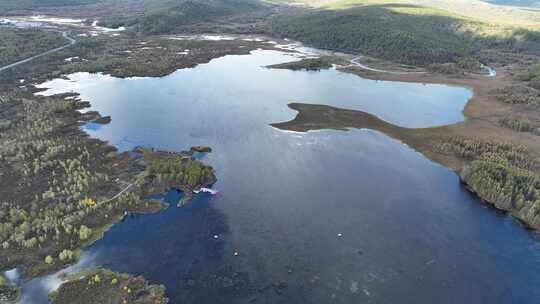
{"x": 84, "y": 232}
{"x": 66, "y": 255}
{"x": 49, "y": 260}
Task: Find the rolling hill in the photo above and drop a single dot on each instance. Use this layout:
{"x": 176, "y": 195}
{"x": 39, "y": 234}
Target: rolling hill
{"x": 406, "y": 32}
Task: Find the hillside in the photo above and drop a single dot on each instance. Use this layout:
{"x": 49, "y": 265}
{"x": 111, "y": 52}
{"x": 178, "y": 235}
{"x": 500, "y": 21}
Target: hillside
{"x": 501, "y": 12}
{"x": 13, "y": 5}
{"x": 403, "y": 33}
{"x": 167, "y": 16}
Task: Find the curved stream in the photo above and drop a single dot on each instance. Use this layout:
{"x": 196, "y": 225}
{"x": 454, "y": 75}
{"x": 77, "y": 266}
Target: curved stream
{"x": 318, "y": 217}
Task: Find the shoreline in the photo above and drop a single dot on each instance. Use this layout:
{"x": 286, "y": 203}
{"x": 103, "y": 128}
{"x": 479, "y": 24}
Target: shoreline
{"x": 480, "y": 130}
{"x": 137, "y": 190}
{"x": 481, "y": 111}
{"x": 32, "y": 266}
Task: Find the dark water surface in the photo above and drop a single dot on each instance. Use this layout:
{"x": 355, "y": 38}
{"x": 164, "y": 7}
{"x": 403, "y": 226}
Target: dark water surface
{"x": 410, "y": 232}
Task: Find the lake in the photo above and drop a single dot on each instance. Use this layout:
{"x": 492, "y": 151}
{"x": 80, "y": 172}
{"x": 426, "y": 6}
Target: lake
{"x": 318, "y": 217}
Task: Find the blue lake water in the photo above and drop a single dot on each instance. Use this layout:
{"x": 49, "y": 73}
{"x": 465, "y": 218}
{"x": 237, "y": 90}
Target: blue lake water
{"x": 409, "y": 231}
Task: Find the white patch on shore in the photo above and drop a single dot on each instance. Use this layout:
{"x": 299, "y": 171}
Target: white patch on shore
{"x": 70, "y": 59}
{"x": 109, "y": 30}
{"x": 56, "y": 20}
{"x": 217, "y": 37}
{"x": 256, "y": 39}
{"x": 152, "y": 48}
{"x": 208, "y": 190}
{"x": 203, "y": 37}
{"x": 13, "y": 276}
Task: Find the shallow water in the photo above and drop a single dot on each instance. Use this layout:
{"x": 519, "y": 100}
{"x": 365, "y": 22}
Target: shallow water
{"x": 410, "y": 232}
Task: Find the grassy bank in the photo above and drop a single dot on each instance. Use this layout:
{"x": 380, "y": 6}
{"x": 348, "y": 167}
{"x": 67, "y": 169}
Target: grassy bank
{"x": 104, "y": 286}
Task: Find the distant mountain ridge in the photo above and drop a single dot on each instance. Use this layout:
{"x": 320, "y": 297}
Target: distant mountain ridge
{"x": 508, "y": 12}
{"x": 11, "y": 5}
{"x": 163, "y": 17}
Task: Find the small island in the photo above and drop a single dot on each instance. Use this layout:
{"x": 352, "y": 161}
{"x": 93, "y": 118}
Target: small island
{"x": 165, "y": 170}
{"x": 201, "y": 149}
{"x": 311, "y": 64}
{"x": 102, "y": 120}
{"x": 9, "y": 293}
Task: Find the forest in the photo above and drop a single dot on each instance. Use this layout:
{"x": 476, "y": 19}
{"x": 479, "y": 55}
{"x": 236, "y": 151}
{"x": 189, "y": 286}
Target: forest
{"x": 529, "y": 74}
{"x": 520, "y": 124}
{"x": 378, "y": 31}
{"x": 62, "y": 189}
{"x": 527, "y": 89}
{"x": 508, "y": 188}
{"x": 503, "y": 174}
{"x": 179, "y": 171}
{"x": 55, "y": 184}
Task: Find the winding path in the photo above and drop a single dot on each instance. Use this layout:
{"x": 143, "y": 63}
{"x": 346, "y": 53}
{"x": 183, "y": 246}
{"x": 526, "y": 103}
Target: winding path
{"x": 354, "y": 62}
{"x": 64, "y": 34}
{"x": 118, "y": 194}
{"x": 491, "y": 72}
